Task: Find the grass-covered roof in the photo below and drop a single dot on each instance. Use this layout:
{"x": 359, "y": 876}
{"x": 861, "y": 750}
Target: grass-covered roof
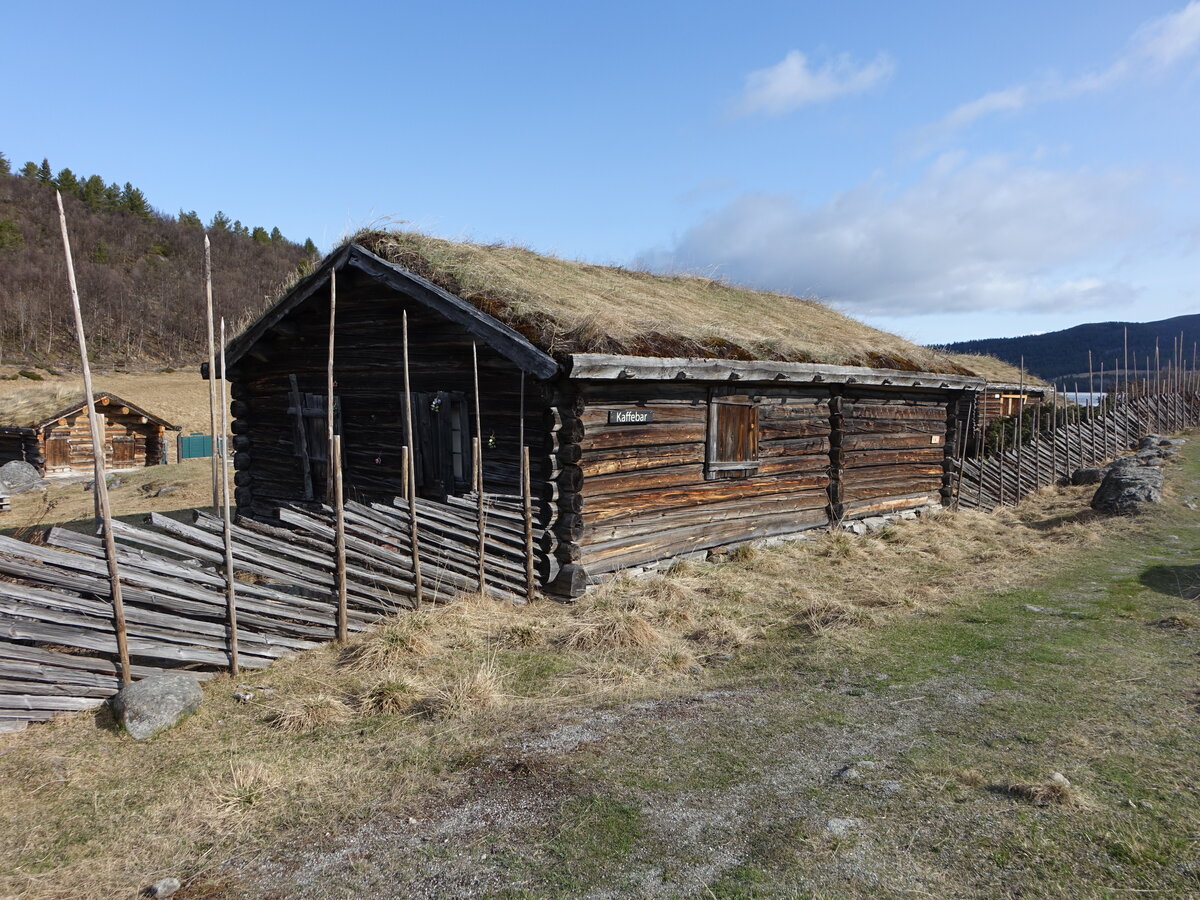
{"x": 564, "y": 307}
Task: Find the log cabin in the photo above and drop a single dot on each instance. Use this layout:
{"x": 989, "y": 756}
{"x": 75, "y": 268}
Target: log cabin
{"x": 48, "y": 428}
{"x": 665, "y": 415}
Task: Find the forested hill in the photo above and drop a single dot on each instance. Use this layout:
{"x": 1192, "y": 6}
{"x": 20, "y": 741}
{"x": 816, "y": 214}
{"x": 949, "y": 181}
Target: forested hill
{"x": 140, "y": 271}
{"x": 1062, "y": 356}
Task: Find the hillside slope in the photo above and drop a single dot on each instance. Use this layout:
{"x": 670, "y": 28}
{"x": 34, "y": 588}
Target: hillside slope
{"x": 140, "y": 271}
{"x": 1063, "y": 355}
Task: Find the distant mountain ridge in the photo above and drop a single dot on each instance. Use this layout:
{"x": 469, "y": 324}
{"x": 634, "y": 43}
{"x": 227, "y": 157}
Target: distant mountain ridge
{"x": 1062, "y": 356}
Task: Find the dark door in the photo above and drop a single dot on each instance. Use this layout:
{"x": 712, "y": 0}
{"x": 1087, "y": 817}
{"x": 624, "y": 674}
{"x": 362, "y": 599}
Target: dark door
{"x": 442, "y": 444}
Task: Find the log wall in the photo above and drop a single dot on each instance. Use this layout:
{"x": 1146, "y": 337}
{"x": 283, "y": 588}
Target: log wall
{"x": 130, "y": 441}
{"x": 368, "y": 372}
{"x": 825, "y": 453}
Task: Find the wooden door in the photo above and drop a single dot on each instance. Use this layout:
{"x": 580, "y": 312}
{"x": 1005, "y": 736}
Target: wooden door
{"x": 124, "y": 451}
{"x": 58, "y": 451}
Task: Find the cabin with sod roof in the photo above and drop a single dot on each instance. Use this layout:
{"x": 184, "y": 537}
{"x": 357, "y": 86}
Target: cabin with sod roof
{"x": 48, "y": 428}
{"x": 665, "y": 415}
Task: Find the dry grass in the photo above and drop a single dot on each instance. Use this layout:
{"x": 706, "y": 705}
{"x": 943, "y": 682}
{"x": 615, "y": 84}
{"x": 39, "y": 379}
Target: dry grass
{"x": 473, "y": 692}
{"x": 567, "y": 306}
{"x": 391, "y": 697}
{"x": 818, "y": 615}
{"x": 994, "y": 369}
{"x": 1054, "y": 791}
{"x": 26, "y": 405}
{"x": 310, "y": 713}
{"x": 392, "y": 643}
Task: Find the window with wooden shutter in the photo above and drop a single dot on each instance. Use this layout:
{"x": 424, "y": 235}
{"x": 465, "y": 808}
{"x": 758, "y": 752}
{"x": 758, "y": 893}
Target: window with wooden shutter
{"x": 732, "y": 436}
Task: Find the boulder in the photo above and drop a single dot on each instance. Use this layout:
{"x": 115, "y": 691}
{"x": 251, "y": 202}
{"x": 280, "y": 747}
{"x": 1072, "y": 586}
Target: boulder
{"x": 164, "y": 887}
{"x": 18, "y": 476}
{"x": 156, "y": 703}
{"x": 1150, "y": 440}
{"x": 1126, "y": 488}
{"x": 1087, "y": 476}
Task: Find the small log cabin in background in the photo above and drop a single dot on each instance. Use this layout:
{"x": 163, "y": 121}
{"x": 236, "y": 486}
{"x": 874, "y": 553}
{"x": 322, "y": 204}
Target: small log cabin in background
{"x": 664, "y": 415}
{"x": 49, "y": 429}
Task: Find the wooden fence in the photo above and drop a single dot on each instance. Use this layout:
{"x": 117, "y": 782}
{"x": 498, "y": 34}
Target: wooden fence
{"x": 58, "y": 649}
{"x": 1046, "y": 443}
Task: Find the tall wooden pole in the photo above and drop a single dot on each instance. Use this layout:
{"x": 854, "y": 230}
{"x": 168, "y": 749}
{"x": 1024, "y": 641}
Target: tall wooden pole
{"x": 227, "y": 519}
{"x": 334, "y": 484}
{"x": 339, "y": 538}
{"x": 480, "y": 523}
{"x": 527, "y": 504}
{"x": 1019, "y": 437}
{"x": 1091, "y": 412}
{"x": 1126, "y": 359}
{"x": 414, "y": 538}
{"x": 329, "y": 401}
{"x": 212, "y": 373}
{"x": 101, "y": 486}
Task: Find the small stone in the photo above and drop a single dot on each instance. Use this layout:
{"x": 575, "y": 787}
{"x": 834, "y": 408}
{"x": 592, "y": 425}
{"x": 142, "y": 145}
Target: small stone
{"x": 164, "y": 887}
{"x": 166, "y": 489}
{"x": 1145, "y": 804}
{"x": 840, "y": 827}
{"x": 848, "y": 773}
{"x": 1060, "y": 779}
{"x": 243, "y": 696}
{"x": 113, "y": 483}
{"x": 154, "y": 704}
{"x": 412, "y": 821}
{"x": 891, "y": 787}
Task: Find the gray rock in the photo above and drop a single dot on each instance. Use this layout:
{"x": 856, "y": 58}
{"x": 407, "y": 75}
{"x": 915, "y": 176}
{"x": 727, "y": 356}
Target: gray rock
{"x": 849, "y": 773}
{"x": 891, "y": 787}
{"x": 16, "y": 474}
{"x": 156, "y": 703}
{"x": 840, "y": 827}
{"x": 1172, "y": 442}
{"x": 166, "y": 489}
{"x": 164, "y": 887}
{"x": 874, "y": 523}
{"x": 855, "y": 527}
{"x": 1125, "y": 489}
{"x": 1124, "y": 462}
{"x": 17, "y": 477}
{"x": 1087, "y": 476}
{"x": 1150, "y": 440}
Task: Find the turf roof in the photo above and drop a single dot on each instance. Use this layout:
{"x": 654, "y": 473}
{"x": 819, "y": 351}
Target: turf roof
{"x": 565, "y": 307}
{"x": 32, "y": 407}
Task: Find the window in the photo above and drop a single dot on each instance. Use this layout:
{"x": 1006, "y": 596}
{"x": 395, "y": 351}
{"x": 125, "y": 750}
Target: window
{"x": 732, "y": 436}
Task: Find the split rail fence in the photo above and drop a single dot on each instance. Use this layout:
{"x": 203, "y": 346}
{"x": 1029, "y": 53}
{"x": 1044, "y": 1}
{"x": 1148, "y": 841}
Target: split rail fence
{"x": 58, "y": 647}
{"x": 1045, "y": 443}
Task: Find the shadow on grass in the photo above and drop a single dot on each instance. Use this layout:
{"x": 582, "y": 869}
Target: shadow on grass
{"x": 1082, "y": 517}
{"x": 1174, "y": 581}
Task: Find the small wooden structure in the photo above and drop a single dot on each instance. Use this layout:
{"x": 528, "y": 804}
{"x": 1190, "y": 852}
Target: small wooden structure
{"x": 51, "y": 433}
{"x": 638, "y": 452}
{"x": 999, "y": 400}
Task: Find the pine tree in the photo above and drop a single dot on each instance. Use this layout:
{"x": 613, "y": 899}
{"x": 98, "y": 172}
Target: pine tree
{"x": 190, "y": 219}
{"x": 44, "y": 175}
{"x": 134, "y": 200}
{"x": 276, "y": 235}
{"x": 5, "y": 165}
{"x": 29, "y": 170}
{"x": 309, "y": 247}
{"x": 220, "y": 222}
{"x": 112, "y": 196}
{"x": 259, "y": 235}
{"x": 10, "y": 235}
{"x": 91, "y": 192}
{"x": 67, "y": 182}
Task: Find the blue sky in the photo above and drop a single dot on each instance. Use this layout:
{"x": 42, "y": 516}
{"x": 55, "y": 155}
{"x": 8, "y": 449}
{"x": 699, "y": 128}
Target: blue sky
{"x": 943, "y": 170}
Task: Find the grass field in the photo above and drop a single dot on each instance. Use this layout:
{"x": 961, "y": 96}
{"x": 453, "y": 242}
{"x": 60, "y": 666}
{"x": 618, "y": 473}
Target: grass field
{"x": 842, "y": 717}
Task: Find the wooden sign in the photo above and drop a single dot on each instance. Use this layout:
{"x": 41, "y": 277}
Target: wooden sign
{"x": 630, "y": 416}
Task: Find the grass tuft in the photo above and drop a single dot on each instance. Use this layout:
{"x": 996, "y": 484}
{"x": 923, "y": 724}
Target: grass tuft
{"x": 821, "y": 614}
{"x": 473, "y": 692}
{"x": 310, "y": 713}
{"x": 392, "y": 644}
{"x": 389, "y": 697}
{"x": 1054, "y": 791}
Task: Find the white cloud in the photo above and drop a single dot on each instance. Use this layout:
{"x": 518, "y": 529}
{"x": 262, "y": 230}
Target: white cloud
{"x": 1154, "y": 47}
{"x": 793, "y": 83}
{"x": 990, "y": 234}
